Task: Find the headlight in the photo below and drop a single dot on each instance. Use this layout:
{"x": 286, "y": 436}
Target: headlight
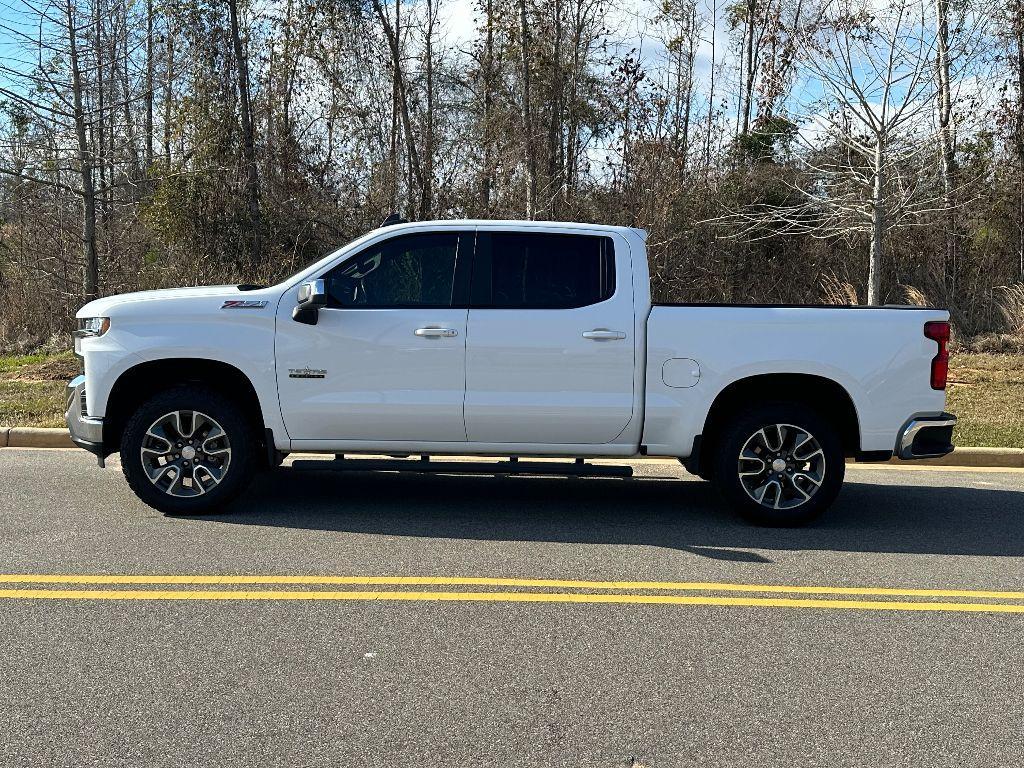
{"x": 92, "y": 326}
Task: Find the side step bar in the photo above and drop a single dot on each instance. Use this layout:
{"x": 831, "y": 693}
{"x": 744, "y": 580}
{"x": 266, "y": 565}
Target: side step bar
{"x": 513, "y": 466}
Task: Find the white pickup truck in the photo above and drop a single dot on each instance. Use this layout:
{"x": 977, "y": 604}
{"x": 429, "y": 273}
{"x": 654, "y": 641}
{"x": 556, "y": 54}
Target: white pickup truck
{"x": 502, "y": 338}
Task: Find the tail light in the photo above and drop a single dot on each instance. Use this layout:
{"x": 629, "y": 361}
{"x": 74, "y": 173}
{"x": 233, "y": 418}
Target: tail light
{"x": 938, "y": 331}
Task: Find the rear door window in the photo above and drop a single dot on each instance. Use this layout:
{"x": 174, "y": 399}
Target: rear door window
{"x": 514, "y": 270}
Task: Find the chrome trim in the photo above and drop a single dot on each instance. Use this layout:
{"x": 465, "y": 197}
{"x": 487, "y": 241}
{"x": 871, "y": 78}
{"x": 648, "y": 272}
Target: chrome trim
{"x": 436, "y": 333}
{"x": 83, "y": 428}
{"x": 905, "y": 441}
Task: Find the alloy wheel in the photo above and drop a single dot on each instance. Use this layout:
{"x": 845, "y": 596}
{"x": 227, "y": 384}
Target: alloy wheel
{"x": 781, "y": 466}
{"x": 186, "y": 453}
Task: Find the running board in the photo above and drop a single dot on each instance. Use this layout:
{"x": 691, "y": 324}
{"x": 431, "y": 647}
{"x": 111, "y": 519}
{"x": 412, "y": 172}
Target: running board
{"x": 577, "y": 468}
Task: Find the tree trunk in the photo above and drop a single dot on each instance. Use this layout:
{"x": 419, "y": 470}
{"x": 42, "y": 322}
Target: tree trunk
{"x": 555, "y": 122}
{"x": 748, "y": 87}
{"x": 101, "y": 136}
{"x": 529, "y": 153}
{"x": 396, "y": 118}
{"x": 571, "y": 165}
{"x": 1018, "y": 23}
{"x": 149, "y": 84}
{"x": 403, "y": 101}
{"x": 168, "y": 97}
{"x": 427, "y": 193}
{"x": 252, "y": 185}
{"x": 711, "y": 92}
{"x": 945, "y": 277}
{"x": 129, "y": 117}
{"x": 486, "y": 181}
{"x": 91, "y": 279}
{"x": 878, "y": 227}
{"x": 687, "y": 91}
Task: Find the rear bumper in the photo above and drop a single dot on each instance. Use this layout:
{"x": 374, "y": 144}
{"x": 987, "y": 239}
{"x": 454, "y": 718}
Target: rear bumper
{"x": 926, "y": 437}
{"x": 86, "y": 432}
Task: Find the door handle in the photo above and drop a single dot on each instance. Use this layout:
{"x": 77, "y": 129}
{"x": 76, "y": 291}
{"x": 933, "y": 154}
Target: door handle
{"x": 600, "y": 334}
{"x": 436, "y": 333}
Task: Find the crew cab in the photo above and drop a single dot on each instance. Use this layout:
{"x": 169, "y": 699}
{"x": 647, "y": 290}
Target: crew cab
{"x": 502, "y": 338}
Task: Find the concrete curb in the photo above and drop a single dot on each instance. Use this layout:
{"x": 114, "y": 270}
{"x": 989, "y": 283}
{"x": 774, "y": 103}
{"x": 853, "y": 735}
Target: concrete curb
{"x": 37, "y": 437}
{"x": 975, "y": 457}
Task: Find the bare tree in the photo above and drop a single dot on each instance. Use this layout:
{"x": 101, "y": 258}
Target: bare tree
{"x": 85, "y": 160}
{"x": 429, "y": 135}
{"x": 488, "y": 77}
{"x": 301, "y": 124}
{"x": 252, "y": 180}
{"x": 957, "y": 33}
{"x": 679, "y": 29}
{"x": 58, "y": 99}
{"x": 865, "y": 138}
{"x": 1014, "y": 15}
{"x": 392, "y": 33}
{"x": 529, "y": 148}
{"x": 148, "y": 128}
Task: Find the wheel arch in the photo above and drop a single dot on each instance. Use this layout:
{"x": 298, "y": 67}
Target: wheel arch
{"x": 828, "y": 397}
{"x": 142, "y": 381}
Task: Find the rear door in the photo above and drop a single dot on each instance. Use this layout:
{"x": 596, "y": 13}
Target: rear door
{"x": 550, "y": 353}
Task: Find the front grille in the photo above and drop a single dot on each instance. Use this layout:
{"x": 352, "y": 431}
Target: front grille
{"x": 81, "y": 403}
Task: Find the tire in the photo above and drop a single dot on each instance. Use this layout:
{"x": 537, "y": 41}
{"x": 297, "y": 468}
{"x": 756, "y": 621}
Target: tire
{"x": 704, "y": 473}
{"x": 800, "y": 475}
{"x": 175, "y": 476}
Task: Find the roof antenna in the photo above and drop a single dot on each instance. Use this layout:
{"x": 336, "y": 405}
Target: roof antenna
{"x": 394, "y": 218}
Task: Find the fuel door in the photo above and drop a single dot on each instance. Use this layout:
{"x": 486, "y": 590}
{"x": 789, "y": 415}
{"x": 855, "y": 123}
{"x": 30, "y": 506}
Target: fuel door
{"x": 680, "y": 372}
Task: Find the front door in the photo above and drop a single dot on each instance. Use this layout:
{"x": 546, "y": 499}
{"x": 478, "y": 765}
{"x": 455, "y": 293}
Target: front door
{"x": 387, "y": 359}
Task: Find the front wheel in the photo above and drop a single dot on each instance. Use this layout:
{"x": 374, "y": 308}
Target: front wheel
{"x": 780, "y": 464}
{"x": 188, "y": 450}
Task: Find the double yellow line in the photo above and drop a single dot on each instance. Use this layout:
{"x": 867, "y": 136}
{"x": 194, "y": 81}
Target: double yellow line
{"x": 502, "y": 590}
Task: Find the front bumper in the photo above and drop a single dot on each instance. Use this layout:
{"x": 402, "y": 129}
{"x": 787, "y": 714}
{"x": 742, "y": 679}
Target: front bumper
{"x": 926, "y": 437}
{"x": 86, "y": 431}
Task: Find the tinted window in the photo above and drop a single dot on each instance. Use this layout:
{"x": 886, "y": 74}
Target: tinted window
{"x": 410, "y": 271}
{"x": 540, "y": 271}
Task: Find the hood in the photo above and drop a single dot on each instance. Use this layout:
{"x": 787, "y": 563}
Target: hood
{"x": 102, "y": 307}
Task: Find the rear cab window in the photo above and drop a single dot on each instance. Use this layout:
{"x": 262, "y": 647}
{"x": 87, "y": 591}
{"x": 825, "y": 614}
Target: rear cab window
{"x": 528, "y": 270}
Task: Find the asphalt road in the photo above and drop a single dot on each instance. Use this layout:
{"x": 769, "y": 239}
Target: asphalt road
{"x": 410, "y": 680}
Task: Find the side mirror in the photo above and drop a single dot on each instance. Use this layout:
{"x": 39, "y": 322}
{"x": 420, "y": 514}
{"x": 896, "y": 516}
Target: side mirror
{"x": 312, "y": 296}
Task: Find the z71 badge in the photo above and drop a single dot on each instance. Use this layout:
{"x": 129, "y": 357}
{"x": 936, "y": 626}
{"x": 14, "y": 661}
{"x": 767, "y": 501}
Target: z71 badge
{"x": 246, "y": 304}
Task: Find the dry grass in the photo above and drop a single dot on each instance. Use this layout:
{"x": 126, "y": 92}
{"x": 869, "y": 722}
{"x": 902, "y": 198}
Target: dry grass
{"x": 987, "y": 395}
{"x": 32, "y": 389}
{"x": 986, "y": 392}
{"x": 31, "y": 403}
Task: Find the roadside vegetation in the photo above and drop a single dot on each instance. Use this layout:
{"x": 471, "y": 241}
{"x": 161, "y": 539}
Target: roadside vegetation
{"x": 833, "y": 151}
{"x": 32, "y": 389}
{"x": 986, "y": 391}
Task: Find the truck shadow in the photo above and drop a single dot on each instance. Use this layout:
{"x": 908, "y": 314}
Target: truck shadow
{"x": 683, "y": 515}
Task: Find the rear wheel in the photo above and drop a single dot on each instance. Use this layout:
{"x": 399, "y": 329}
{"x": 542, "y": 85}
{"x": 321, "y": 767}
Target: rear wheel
{"x": 779, "y": 464}
{"x": 188, "y": 450}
